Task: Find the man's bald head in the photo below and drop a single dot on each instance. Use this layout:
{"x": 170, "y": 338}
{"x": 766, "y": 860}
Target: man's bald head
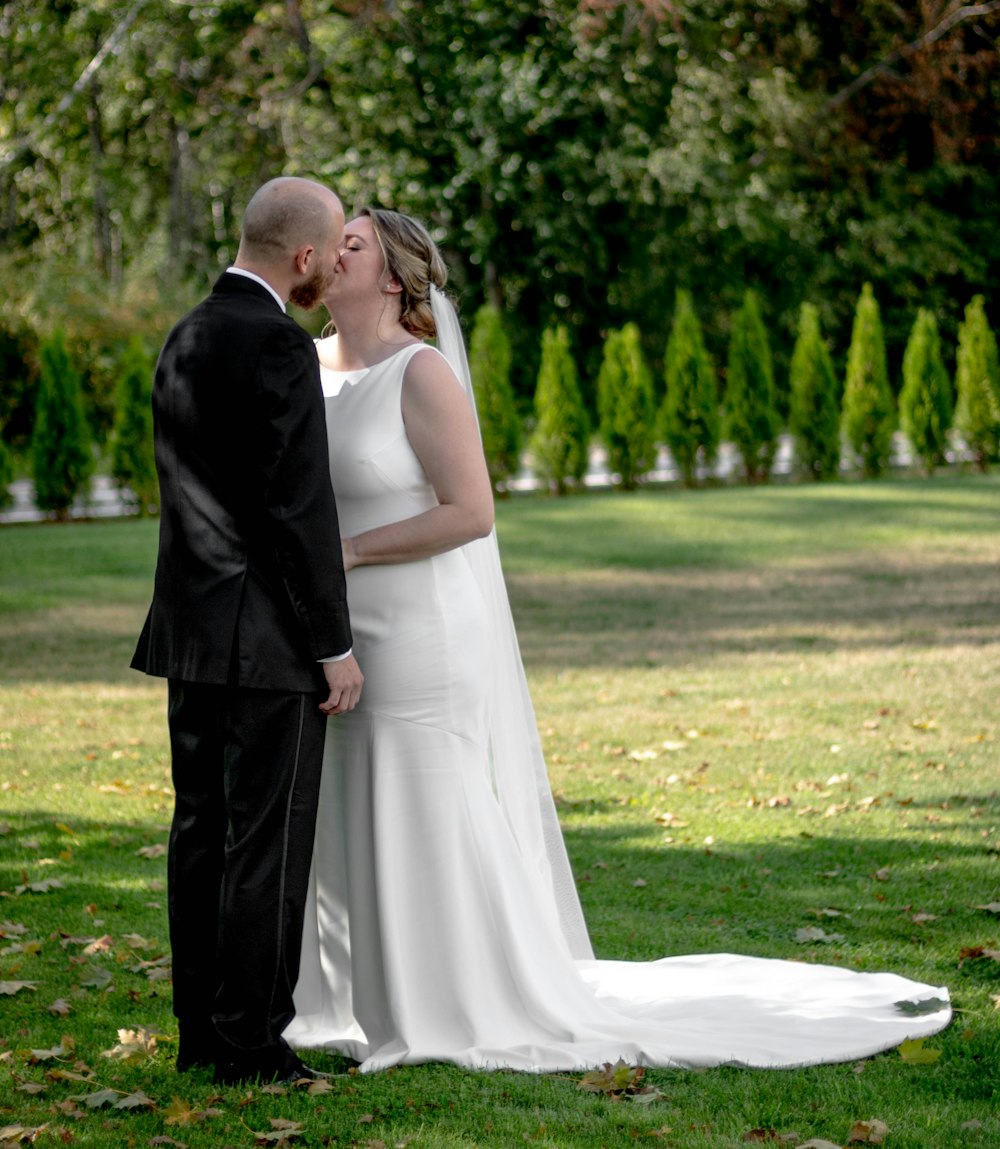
{"x": 286, "y": 215}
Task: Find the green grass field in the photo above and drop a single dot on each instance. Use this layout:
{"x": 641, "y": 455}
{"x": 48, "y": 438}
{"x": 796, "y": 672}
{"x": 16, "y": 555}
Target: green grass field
{"x": 766, "y": 711}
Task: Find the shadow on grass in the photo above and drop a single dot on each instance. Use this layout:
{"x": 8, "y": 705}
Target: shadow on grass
{"x": 691, "y": 615}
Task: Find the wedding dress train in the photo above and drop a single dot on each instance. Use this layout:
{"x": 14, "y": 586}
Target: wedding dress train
{"x": 443, "y": 922}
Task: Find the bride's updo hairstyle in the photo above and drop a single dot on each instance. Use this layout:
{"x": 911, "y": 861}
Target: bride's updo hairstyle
{"x": 413, "y": 260}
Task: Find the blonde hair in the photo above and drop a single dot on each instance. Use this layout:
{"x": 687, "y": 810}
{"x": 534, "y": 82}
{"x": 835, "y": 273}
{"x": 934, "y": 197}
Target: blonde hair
{"x": 413, "y": 260}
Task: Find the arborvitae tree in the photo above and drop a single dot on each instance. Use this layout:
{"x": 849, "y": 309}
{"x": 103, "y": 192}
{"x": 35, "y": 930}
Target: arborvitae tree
{"x": 869, "y": 416}
{"x": 977, "y": 384}
{"x": 925, "y": 403}
{"x": 562, "y": 432}
{"x": 689, "y": 417}
{"x": 814, "y": 418}
{"x": 625, "y": 407}
{"x": 132, "y": 462}
{"x": 6, "y": 475}
{"x": 489, "y": 365}
{"x": 751, "y": 414}
{"x": 60, "y": 441}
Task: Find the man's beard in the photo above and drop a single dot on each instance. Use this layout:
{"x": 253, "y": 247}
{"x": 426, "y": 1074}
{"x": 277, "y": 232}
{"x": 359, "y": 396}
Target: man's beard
{"x": 307, "y": 295}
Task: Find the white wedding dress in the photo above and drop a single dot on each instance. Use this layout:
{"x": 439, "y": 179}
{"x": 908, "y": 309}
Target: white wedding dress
{"x": 443, "y": 923}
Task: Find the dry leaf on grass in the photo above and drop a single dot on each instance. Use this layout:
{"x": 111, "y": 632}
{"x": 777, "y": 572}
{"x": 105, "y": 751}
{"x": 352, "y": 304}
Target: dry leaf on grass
{"x": 133, "y": 1045}
{"x": 11, "y": 987}
{"x": 872, "y": 1132}
{"x": 916, "y": 1053}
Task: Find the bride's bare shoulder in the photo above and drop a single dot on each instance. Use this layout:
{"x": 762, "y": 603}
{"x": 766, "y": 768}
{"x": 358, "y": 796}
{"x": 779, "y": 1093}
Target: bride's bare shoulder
{"x": 326, "y": 349}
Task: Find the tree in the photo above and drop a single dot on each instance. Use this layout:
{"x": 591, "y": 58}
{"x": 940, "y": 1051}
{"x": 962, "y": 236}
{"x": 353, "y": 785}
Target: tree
{"x": 925, "y": 402}
{"x": 562, "y": 431}
{"x": 977, "y": 384}
{"x": 489, "y": 364}
{"x": 132, "y": 462}
{"x": 6, "y": 474}
{"x": 751, "y": 412}
{"x": 815, "y": 407}
{"x": 60, "y": 442}
{"x": 625, "y": 407}
{"x": 689, "y": 417}
{"x": 868, "y": 415}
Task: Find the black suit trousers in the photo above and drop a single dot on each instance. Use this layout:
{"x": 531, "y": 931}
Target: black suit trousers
{"x": 246, "y": 771}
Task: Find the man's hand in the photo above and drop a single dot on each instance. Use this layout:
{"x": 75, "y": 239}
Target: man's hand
{"x": 345, "y": 680}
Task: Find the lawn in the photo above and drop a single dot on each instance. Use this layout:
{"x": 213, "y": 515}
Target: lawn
{"x": 771, "y": 718}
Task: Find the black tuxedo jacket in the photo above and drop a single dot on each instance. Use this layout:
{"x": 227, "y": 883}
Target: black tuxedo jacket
{"x": 249, "y": 586}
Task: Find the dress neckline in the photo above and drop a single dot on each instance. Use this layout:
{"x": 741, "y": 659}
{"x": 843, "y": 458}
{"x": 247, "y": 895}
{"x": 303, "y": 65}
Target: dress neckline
{"x": 358, "y": 373}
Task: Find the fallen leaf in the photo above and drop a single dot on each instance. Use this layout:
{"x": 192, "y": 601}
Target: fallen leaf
{"x": 990, "y": 907}
{"x": 156, "y": 851}
{"x": 63, "y": 1049}
{"x": 162, "y": 1140}
{"x": 99, "y": 945}
{"x": 818, "y": 1143}
{"x": 14, "y": 1134}
{"x": 616, "y": 1080}
{"x": 11, "y": 987}
{"x": 883, "y": 874}
{"x": 133, "y": 1045}
{"x": 871, "y": 1132}
{"x": 96, "y": 977}
{"x": 12, "y": 930}
{"x": 815, "y": 934}
{"x": 38, "y": 887}
{"x": 60, "y": 1007}
{"x": 31, "y": 1087}
{"x": 924, "y": 1005}
{"x": 137, "y": 1100}
{"x": 99, "y": 1099}
{"x": 916, "y": 1053}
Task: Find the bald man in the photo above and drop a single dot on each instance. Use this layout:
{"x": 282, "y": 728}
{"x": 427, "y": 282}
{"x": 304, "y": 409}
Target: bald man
{"x": 249, "y": 625}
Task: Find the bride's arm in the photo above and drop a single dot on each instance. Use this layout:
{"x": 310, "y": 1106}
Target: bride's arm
{"x": 441, "y": 428}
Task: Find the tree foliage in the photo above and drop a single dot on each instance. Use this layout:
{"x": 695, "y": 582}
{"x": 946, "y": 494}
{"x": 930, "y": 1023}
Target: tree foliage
{"x": 689, "y": 415}
{"x": 925, "y": 402}
{"x": 751, "y": 413}
{"x": 489, "y": 365}
{"x": 561, "y": 438}
{"x": 869, "y": 415}
{"x": 60, "y": 444}
{"x": 625, "y": 407}
{"x": 6, "y": 474}
{"x": 977, "y": 383}
{"x": 132, "y": 461}
{"x": 814, "y": 418}
{"x": 579, "y": 161}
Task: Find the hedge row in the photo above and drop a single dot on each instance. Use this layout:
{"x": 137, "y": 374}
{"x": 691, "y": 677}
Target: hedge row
{"x": 829, "y": 418}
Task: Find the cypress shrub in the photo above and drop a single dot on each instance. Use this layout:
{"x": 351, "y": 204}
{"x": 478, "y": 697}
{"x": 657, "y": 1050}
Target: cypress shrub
{"x": 60, "y": 441}
{"x": 489, "y": 365}
{"x": 625, "y": 407}
{"x": 868, "y": 415}
{"x": 815, "y": 408}
{"x": 751, "y": 413}
{"x": 132, "y": 463}
{"x": 925, "y": 404}
{"x": 689, "y": 417}
{"x": 562, "y": 431}
{"x": 977, "y": 384}
{"x": 6, "y": 474}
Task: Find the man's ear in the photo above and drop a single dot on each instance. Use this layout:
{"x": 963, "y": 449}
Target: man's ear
{"x": 303, "y": 258}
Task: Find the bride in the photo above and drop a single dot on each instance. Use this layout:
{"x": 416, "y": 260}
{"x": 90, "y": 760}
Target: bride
{"x": 443, "y": 922}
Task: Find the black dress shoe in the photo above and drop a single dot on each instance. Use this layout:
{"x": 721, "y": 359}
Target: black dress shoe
{"x": 285, "y": 1070}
